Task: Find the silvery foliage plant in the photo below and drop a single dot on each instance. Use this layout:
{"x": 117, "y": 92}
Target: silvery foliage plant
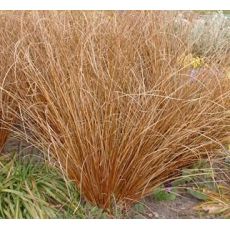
{"x": 208, "y": 35}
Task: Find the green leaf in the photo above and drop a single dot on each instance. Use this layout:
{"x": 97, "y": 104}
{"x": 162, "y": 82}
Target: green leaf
{"x": 181, "y": 181}
{"x": 197, "y": 194}
{"x": 139, "y": 208}
{"x": 160, "y": 194}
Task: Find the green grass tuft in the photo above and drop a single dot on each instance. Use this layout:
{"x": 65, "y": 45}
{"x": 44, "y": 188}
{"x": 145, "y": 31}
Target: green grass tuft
{"x": 35, "y": 190}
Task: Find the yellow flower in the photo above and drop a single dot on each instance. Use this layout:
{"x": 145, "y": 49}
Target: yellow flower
{"x": 197, "y": 62}
{"x": 194, "y": 62}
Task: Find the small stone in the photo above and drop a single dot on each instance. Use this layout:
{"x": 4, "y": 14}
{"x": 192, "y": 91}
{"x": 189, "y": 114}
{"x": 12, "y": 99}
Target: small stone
{"x": 153, "y": 214}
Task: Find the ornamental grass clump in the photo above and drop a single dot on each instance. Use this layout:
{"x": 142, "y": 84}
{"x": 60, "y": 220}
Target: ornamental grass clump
{"x": 107, "y": 99}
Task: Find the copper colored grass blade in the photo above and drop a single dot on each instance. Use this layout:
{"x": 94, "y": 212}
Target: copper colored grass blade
{"x": 3, "y": 138}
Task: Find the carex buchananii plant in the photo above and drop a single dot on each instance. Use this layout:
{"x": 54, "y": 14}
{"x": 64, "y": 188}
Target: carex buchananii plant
{"x": 105, "y": 96}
